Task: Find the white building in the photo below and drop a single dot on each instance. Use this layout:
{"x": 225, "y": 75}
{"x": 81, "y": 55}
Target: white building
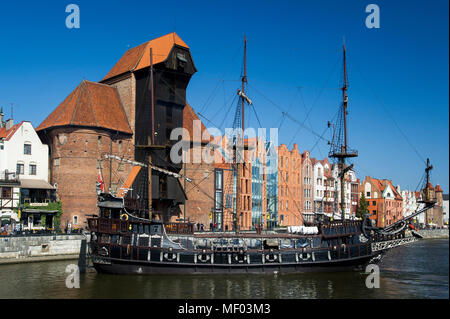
{"x": 421, "y": 217}
{"x": 324, "y": 187}
{"x": 409, "y": 202}
{"x": 23, "y": 168}
{"x": 445, "y": 208}
{"x": 350, "y": 178}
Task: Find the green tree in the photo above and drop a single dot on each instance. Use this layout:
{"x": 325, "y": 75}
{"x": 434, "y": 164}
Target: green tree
{"x": 362, "y": 206}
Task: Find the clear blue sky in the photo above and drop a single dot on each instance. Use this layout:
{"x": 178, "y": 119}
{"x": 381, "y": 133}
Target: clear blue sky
{"x": 399, "y": 71}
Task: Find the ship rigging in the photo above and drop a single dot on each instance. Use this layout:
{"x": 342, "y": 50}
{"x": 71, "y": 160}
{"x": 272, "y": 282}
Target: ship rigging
{"x": 125, "y": 241}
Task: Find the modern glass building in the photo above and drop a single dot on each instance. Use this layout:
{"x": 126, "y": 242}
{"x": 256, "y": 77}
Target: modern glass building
{"x": 272, "y": 185}
{"x": 257, "y": 192}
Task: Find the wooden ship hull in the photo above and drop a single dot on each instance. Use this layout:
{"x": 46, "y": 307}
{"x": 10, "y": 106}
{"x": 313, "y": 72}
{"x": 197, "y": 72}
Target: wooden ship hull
{"x": 124, "y": 244}
{"x": 119, "y": 259}
{"x": 126, "y": 239}
{"x": 118, "y": 266}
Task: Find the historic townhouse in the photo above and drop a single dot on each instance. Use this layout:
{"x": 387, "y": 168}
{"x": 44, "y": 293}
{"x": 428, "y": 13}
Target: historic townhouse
{"x": 24, "y": 175}
{"x": 409, "y": 202}
{"x": 289, "y": 186}
{"x": 324, "y": 187}
{"x": 307, "y": 188}
{"x": 385, "y": 203}
{"x": 203, "y": 203}
{"x": 351, "y": 192}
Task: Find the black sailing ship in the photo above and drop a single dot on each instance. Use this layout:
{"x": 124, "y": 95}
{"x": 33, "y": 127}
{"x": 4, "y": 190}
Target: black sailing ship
{"x": 126, "y": 238}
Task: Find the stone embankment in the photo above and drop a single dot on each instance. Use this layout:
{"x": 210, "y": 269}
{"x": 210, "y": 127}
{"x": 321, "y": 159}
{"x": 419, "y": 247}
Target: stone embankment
{"x": 40, "y": 248}
{"x": 433, "y": 233}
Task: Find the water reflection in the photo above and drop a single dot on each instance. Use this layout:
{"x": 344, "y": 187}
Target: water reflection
{"x": 419, "y": 270}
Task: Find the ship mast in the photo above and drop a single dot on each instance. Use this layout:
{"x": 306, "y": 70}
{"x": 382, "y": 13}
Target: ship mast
{"x": 428, "y": 201}
{"x": 240, "y": 139}
{"x": 151, "y": 140}
{"x": 427, "y": 187}
{"x": 340, "y": 149}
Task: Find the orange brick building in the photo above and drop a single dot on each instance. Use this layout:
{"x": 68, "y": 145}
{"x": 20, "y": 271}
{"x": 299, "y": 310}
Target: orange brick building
{"x": 289, "y": 186}
{"x": 200, "y": 191}
{"x": 385, "y": 204}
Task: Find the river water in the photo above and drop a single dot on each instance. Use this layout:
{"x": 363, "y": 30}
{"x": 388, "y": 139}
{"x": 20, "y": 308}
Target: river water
{"x": 416, "y": 270}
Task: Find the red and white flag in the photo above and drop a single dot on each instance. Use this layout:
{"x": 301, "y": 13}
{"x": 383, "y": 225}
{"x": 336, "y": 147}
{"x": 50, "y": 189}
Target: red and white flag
{"x": 100, "y": 180}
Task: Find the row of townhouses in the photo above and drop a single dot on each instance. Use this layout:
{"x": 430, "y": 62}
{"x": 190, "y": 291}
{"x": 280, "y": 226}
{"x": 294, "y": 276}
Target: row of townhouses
{"x": 24, "y": 189}
{"x": 64, "y": 159}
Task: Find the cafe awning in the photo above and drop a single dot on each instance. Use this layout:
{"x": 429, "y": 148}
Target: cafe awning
{"x": 35, "y": 184}
{"x": 38, "y": 211}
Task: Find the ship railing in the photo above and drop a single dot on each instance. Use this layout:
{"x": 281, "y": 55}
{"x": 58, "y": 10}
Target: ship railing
{"x": 338, "y": 228}
{"x": 179, "y": 228}
{"x": 107, "y": 225}
{"x": 137, "y": 252}
{"x": 112, "y": 226}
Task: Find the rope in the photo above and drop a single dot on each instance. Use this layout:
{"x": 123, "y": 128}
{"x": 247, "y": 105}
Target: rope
{"x": 391, "y": 117}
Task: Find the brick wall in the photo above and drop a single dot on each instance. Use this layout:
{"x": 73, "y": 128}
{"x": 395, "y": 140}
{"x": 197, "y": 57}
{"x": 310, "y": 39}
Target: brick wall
{"x": 74, "y": 159}
{"x": 289, "y": 186}
{"x": 126, "y": 86}
{"x": 200, "y": 192}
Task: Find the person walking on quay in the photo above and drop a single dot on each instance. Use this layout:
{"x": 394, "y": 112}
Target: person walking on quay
{"x": 211, "y": 226}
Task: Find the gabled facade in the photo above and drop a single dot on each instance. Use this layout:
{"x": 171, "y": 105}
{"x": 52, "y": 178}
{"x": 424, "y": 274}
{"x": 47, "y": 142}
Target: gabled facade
{"x": 289, "y": 186}
{"x": 385, "y": 203}
{"x": 307, "y": 187}
{"x": 203, "y": 200}
{"x": 23, "y": 171}
{"x": 409, "y": 202}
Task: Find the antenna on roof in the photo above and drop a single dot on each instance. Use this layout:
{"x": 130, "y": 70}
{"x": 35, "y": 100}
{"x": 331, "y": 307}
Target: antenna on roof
{"x": 12, "y": 110}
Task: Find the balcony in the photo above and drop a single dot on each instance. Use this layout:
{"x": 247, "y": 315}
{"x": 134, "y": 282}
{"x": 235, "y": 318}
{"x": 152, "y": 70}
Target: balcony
{"x": 7, "y": 177}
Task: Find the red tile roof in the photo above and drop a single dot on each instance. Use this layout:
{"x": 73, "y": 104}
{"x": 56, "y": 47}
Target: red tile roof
{"x": 139, "y": 57}
{"x": 7, "y": 134}
{"x": 381, "y": 185}
{"x": 189, "y": 116}
{"x": 90, "y": 104}
{"x": 438, "y": 188}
